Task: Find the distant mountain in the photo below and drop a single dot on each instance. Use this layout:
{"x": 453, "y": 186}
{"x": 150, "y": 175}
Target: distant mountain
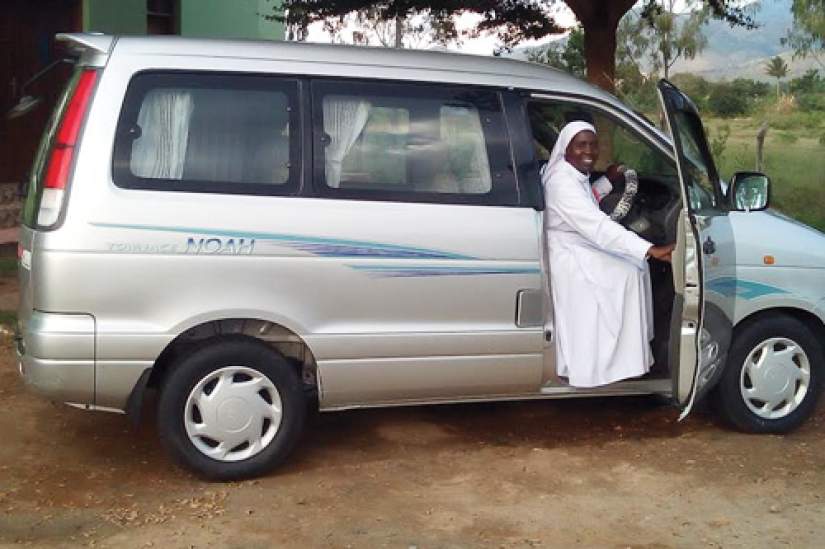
{"x": 739, "y": 52}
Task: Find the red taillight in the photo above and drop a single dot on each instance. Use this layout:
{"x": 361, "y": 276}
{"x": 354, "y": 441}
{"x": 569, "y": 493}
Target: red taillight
{"x": 76, "y": 109}
{"x": 57, "y": 172}
{"x": 62, "y": 151}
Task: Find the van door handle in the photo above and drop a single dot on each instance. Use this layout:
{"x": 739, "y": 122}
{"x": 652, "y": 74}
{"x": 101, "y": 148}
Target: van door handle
{"x": 709, "y": 247}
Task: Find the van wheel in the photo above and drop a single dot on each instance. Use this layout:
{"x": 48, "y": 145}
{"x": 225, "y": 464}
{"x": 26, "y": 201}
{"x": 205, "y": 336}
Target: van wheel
{"x": 232, "y": 409}
{"x": 772, "y": 378}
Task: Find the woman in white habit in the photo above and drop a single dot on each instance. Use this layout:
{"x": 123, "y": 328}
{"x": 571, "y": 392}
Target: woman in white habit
{"x": 599, "y": 276}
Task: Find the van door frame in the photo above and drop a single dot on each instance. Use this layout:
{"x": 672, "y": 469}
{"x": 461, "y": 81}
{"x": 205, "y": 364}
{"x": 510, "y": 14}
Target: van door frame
{"x": 642, "y": 131}
{"x": 706, "y": 323}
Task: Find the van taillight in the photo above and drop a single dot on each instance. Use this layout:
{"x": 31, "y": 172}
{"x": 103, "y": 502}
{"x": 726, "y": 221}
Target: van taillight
{"x": 62, "y": 151}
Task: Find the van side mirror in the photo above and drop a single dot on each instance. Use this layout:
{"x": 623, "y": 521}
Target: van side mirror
{"x": 749, "y": 191}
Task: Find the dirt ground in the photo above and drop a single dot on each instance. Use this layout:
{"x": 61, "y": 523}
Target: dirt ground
{"x": 596, "y": 473}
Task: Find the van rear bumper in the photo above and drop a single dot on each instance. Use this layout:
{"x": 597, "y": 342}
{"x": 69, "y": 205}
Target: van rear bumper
{"x": 56, "y": 356}
{"x": 60, "y": 380}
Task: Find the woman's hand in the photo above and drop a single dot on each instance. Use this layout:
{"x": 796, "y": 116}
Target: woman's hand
{"x": 662, "y": 253}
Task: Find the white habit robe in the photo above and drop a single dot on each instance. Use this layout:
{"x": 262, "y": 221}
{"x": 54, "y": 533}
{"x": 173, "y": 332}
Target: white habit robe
{"x": 599, "y": 281}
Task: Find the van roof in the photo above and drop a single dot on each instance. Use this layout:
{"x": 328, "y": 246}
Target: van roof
{"x": 443, "y": 66}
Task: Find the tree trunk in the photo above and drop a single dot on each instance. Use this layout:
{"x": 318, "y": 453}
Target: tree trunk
{"x": 600, "y": 21}
{"x": 399, "y": 31}
{"x": 600, "y": 55}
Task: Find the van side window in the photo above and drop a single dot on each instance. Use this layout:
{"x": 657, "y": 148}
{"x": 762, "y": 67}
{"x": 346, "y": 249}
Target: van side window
{"x": 411, "y": 142}
{"x": 616, "y": 142}
{"x": 208, "y": 133}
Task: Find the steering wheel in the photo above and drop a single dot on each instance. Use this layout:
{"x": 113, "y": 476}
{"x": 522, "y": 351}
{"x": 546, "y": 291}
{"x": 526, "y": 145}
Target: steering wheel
{"x": 616, "y": 205}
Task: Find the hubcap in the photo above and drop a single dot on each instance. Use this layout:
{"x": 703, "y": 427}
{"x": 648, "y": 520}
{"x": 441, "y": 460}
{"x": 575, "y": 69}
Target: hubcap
{"x": 233, "y": 413}
{"x": 775, "y": 378}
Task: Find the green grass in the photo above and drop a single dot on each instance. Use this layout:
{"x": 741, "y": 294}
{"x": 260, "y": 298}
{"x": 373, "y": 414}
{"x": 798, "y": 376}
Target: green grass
{"x": 794, "y": 160}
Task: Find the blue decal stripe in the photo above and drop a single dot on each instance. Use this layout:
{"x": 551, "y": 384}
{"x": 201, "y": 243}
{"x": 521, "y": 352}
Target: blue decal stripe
{"x": 745, "y": 289}
{"x": 416, "y": 271}
{"x": 328, "y": 247}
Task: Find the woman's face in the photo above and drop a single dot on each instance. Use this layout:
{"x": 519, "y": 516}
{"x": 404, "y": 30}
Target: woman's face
{"x": 583, "y": 151}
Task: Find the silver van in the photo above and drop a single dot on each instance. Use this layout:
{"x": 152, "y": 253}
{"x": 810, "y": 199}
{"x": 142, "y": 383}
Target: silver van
{"x": 257, "y": 229}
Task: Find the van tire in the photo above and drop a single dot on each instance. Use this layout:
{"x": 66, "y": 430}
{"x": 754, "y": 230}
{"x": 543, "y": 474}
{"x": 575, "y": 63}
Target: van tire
{"x": 231, "y": 356}
{"x": 762, "y": 333}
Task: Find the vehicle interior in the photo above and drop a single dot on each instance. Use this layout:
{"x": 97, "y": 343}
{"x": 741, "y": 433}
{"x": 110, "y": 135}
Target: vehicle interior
{"x": 654, "y": 209}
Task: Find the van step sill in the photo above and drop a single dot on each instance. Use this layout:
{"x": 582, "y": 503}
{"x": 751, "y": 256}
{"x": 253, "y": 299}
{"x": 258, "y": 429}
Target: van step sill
{"x": 634, "y": 386}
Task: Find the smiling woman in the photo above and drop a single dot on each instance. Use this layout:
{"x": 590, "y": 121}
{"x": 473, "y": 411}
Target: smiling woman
{"x": 600, "y": 283}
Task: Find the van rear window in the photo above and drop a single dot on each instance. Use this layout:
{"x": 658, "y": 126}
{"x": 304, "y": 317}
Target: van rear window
{"x": 208, "y": 133}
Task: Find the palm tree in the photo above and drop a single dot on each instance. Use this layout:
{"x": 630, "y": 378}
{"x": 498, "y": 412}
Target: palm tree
{"x": 777, "y": 68}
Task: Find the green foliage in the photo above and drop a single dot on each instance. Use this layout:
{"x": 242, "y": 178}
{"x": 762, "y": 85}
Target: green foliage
{"x": 569, "y": 57}
{"x": 776, "y": 67}
{"x": 752, "y": 89}
{"x": 675, "y": 35}
{"x": 726, "y": 101}
{"x": 696, "y": 87}
{"x": 807, "y": 36}
{"x": 813, "y": 103}
{"x": 641, "y": 96}
{"x": 662, "y": 35}
{"x": 719, "y": 141}
{"x": 810, "y": 82}
{"x": 693, "y": 85}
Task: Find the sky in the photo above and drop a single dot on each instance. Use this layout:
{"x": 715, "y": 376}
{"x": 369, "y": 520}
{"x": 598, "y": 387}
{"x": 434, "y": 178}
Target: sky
{"x": 483, "y": 45}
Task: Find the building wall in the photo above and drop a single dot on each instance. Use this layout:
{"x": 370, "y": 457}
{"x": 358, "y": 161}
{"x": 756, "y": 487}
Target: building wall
{"x": 27, "y": 46}
{"x": 114, "y": 16}
{"x": 223, "y": 19}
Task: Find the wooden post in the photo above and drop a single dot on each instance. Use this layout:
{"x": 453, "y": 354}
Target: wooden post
{"x": 760, "y": 144}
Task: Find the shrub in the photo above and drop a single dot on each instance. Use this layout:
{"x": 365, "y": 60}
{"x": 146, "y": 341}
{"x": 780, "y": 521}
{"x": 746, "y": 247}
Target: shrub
{"x": 811, "y": 102}
{"x": 726, "y": 101}
{"x": 752, "y": 89}
{"x": 719, "y": 141}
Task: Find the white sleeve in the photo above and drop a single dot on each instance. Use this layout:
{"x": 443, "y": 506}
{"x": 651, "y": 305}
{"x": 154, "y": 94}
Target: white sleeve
{"x": 570, "y": 202}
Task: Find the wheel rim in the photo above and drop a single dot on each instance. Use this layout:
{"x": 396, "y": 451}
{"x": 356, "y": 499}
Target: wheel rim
{"x": 775, "y": 378}
{"x": 233, "y": 413}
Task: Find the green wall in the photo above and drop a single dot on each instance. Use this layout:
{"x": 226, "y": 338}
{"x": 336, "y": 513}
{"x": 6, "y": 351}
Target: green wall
{"x": 202, "y": 18}
{"x": 229, "y": 19}
{"x": 114, "y": 16}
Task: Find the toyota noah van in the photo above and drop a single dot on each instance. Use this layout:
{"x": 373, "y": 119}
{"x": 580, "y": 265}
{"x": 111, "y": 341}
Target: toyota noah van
{"x": 257, "y": 229}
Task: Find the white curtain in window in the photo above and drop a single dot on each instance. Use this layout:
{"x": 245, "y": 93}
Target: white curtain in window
{"x": 344, "y": 120}
{"x": 160, "y": 151}
{"x": 461, "y": 130}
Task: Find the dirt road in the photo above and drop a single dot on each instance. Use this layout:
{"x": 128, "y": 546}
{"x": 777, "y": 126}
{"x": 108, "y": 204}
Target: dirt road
{"x": 607, "y": 472}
